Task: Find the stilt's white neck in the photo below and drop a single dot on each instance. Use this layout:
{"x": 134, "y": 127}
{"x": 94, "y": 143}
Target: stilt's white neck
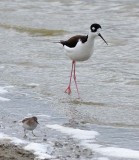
{"x": 91, "y": 38}
{"x": 92, "y": 35}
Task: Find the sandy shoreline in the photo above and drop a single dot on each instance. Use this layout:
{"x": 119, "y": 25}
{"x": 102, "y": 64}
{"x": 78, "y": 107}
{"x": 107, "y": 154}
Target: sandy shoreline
{"x": 64, "y": 149}
{"x": 9, "y": 151}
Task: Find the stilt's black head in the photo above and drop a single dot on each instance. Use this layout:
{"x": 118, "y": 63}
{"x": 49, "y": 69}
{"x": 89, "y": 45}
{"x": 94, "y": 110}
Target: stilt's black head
{"x": 94, "y": 27}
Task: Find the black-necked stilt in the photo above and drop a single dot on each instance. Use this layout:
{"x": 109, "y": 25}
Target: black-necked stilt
{"x": 80, "y": 48}
{"x": 29, "y": 124}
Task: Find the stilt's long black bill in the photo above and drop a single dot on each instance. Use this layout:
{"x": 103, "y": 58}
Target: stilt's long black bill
{"x": 102, "y": 38}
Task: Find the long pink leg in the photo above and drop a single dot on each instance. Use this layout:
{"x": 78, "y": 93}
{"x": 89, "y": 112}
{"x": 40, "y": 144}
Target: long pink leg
{"x": 68, "y": 90}
{"x": 74, "y": 76}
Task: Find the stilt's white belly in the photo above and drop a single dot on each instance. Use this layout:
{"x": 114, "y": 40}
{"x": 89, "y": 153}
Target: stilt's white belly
{"x": 81, "y": 52}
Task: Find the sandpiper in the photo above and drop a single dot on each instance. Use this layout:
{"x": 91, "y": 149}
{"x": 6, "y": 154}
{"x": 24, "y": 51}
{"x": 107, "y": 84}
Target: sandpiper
{"x": 80, "y": 48}
{"x": 29, "y": 124}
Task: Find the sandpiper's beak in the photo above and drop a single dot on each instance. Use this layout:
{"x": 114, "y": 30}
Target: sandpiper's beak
{"x": 37, "y": 122}
{"x": 102, "y": 38}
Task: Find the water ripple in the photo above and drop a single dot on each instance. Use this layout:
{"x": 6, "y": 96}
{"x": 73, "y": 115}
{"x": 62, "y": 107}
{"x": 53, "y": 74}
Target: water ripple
{"x": 34, "y": 31}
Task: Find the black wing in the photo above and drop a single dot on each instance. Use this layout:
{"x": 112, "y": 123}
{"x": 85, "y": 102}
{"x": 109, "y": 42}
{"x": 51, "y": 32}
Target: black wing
{"x": 74, "y": 40}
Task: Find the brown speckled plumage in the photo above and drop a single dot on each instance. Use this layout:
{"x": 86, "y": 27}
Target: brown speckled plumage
{"x": 30, "y": 121}
{"x": 29, "y": 124}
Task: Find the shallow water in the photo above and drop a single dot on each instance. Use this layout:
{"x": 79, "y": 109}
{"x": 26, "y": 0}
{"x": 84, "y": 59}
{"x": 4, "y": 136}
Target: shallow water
{"x": 38, "y": 69}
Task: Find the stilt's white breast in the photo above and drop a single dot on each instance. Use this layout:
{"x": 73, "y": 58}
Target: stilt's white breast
{"x": 82, "y": 51}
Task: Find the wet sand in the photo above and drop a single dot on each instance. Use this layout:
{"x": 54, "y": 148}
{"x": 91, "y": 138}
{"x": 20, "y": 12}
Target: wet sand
{"x": 9, "y": 151}
{"x": 64, "y": 149}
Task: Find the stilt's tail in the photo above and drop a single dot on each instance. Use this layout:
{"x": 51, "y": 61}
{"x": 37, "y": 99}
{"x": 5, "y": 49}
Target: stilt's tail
{"x": 61, "y": 42}
{"x": 56, "y": 42}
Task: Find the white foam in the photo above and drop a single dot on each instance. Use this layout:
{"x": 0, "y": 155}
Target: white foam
{"x": 39, "y": 149}
{"x": 119, "y": 152}
{"x": 87, "y": 139}
{"x": 42, "y": 151}
{"x": 33, "y": 85}
{"x": 43, "y": 115}
{"x": 4, "y": 99}
{"x": 3, "y": 91}
{"x": 102, "y": 158}
{"x": 1, "y": 67}
{"x": 75, "y": 133}
{"x": 14, "y": 140}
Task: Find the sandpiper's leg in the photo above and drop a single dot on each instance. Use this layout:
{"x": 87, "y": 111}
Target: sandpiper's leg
{"x": 68, "y": 90}
{"x": 33, "y": 134}
{"x": 74, "y": 76}
{"x": 25, "y": 136}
